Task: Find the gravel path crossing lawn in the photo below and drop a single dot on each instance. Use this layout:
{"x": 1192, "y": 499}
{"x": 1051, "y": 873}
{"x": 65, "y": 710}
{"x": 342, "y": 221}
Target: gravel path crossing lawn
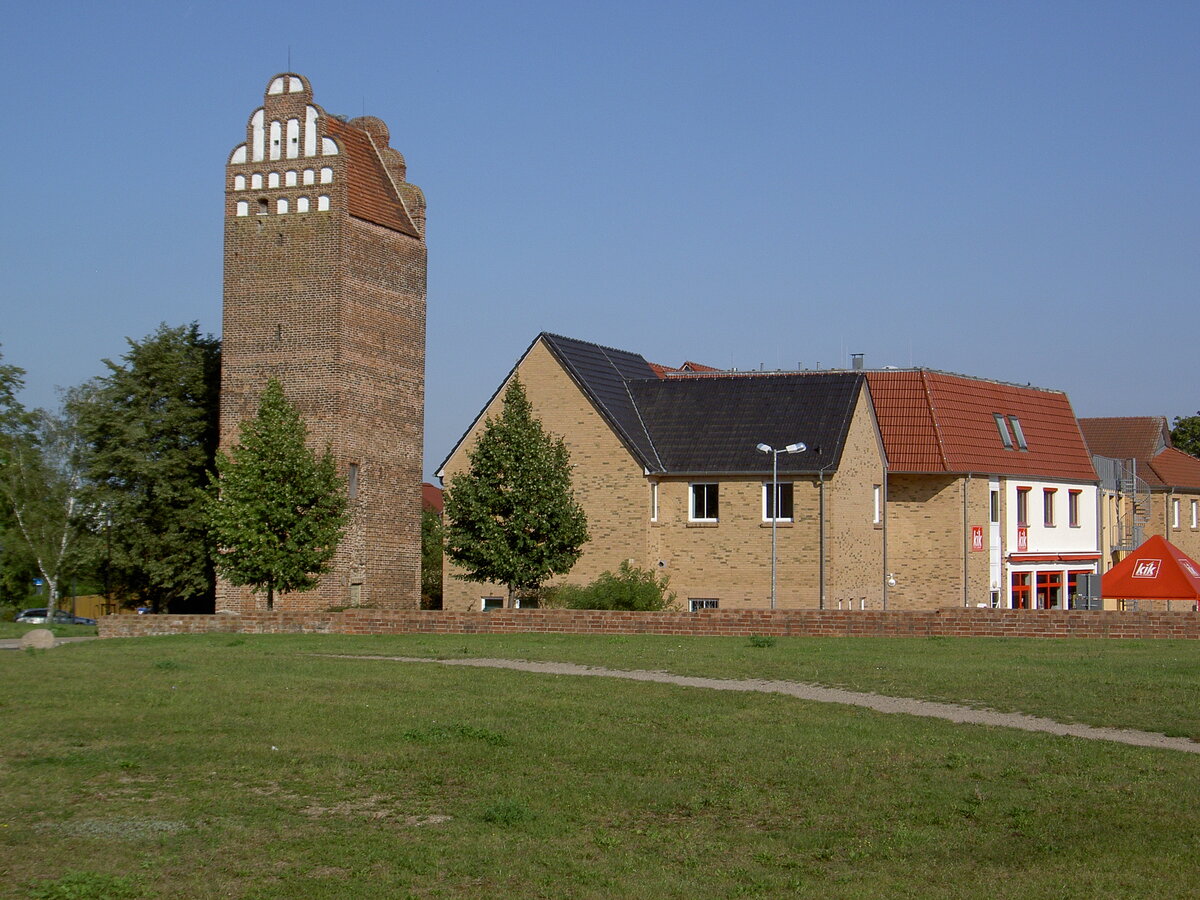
{"x": 927, "y": 708}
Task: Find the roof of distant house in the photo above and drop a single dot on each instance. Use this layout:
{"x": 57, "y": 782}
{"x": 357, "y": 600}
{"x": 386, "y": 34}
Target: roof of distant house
{"x": 712, "y": 423}
{"x": 1146, "y": 439}
{"x": 939, "y": 422}
{"x": 431, "y": 497}
{"x": 696, "y": 419}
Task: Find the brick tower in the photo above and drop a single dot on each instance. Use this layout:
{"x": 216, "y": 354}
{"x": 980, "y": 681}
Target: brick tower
{"x": 325, "y": 290}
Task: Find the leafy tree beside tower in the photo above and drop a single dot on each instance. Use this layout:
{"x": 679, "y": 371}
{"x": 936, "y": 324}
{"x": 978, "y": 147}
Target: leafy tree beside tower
{"x": 511, "y": 518}
{"x": 149, "y": 429}
{"x": 278, "y": 510}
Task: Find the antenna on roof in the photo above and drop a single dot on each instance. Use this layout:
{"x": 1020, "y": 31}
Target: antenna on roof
{"x": 289, "y": 68}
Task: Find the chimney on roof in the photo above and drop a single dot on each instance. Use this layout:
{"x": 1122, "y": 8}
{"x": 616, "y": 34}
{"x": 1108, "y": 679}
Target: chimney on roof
{"x": 856, "y": 361}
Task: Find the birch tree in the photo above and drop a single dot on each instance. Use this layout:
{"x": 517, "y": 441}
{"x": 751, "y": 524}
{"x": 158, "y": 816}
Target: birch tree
{"x": 40, "y": 481}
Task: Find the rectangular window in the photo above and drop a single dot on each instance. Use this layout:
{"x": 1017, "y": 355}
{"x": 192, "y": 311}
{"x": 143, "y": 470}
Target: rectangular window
{"x": 1073, "y": 508}
{"x": 1196, "y": 513}
{"x": 698, "y": 603}
{"x": 994, "y": 507}
{"x": 1018, "y": 433}
{"x": 877, "y": 499}
{"x": 654, "y": 501}
{"x": 1020, "y": 590}
{"x": 1002, "y": 427}
{"x": 1175, "y": 512}
{"x": 784, "y": 504}
{"x": 487, "y": 603}
{"x": 704, "y": 503}
{"x": 352, "y": 481}
{"x": 1049, "y": 590}
{"x": 1023, "y": 505}
{"x": 1048, "y": 506}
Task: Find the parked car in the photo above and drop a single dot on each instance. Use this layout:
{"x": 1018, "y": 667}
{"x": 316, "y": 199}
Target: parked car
{"x": 61, "y": 617}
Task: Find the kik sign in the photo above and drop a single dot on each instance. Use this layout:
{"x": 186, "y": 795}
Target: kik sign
{"x": 1147, "y": 568}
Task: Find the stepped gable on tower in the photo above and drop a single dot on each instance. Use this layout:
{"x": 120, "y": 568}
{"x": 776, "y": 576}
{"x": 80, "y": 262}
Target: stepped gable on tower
{"x": 325, "y": 268}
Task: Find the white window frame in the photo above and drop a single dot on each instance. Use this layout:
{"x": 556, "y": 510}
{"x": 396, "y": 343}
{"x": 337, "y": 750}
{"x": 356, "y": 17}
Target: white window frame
{"x": 654, "y": 501}
{"x": 692, "y": 486}
{"x": 496, "y": 603}
{"x": 1174, "y": 512}
{"x": 1196, "y": 513}
{"x": 695, "y": 604}
{"x": 877, "y": 501}
{"x": 766, "y": 497}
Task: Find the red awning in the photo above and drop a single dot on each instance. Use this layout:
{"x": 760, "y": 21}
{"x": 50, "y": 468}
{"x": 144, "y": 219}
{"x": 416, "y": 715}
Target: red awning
{"x": 1157, "y": 570}
{"x": 1052, "y": 557}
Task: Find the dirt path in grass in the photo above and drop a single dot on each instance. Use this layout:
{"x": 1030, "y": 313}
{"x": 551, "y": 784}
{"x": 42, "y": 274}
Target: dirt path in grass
{"x": 926, "y": 708}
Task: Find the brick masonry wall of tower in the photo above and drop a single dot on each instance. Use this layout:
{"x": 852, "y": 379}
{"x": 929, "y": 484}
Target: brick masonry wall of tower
{"x": 333, "y": 306}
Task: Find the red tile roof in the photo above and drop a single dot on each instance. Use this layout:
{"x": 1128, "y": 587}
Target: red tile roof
{"x": 1174, "y": 468}
{"x": 372, "y": 196}
{"x": 431, "y": 497}
{"x": 936, "y": 422}
{"x": 1125, "y": 437}
{"x": 1148, "y": 440}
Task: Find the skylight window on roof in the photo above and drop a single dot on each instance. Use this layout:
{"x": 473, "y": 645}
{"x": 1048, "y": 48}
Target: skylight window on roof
{"x": 1002, "y": 427}
{"x": 1018, "y": 433}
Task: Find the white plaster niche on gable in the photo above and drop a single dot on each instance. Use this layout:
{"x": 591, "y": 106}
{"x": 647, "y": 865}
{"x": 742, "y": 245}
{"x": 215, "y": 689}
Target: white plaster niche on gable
{"x": 239, "y": 155}
{"x": 276, "y": 140}
{"x": 310, "y": 177}
{"x": 295, "y": 85}
{"x": 293, "y": 138}
{"x": 239, "y": 182}
{"x": 243, "y": 208}
{"x": 329, "y": 147}
{"x": 276, "y": 86}
{"x": 301, "y": 204}
{"x": 326, "y": 175}
{"x": 289, "y": 178}
{"x": 256, "y": 180}
{"x": 323, "y": 203}
{"x": 258, "y": 137}
{"x": 273, "y": 179}
{"x": 310, "y": 131}
{"x": 281, "y": 206}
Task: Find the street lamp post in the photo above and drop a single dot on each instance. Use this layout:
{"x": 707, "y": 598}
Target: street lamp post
{"x": 767, "y": 448}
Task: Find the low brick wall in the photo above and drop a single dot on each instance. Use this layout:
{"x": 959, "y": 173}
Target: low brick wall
{"x": 782, "y": 623}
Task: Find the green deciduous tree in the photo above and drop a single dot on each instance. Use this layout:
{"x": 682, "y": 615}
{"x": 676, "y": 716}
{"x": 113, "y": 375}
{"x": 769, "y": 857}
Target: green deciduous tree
{"x": 432, "y": 542}
{"x": 17, "y": 568}
{"x": 40, "y": 481}
{"x": 150, "y": 431}
{"x": 1185, "y": 434}
{"x": 278, "y": 510}
{"x": 512, "y": 518}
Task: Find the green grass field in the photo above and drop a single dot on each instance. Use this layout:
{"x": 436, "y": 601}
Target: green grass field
{"x": 16, "y": 629}
{"x": 254, "y": 767}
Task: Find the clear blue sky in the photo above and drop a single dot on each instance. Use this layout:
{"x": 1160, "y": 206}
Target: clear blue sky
{"x": 1009, "y": 190}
